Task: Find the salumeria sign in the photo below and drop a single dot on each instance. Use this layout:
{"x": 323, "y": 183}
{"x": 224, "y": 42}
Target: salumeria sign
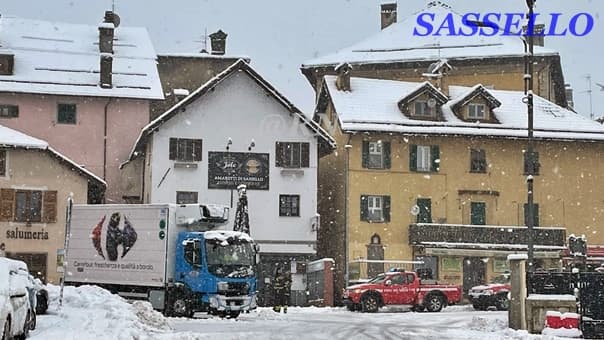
{"x": 491, "y": 24}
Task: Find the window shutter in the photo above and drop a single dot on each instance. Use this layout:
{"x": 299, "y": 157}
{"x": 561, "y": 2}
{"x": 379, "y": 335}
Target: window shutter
{"x": 365, "y": 154}
{"x": 279, "y": 150}
{"x": 173, "y": 148}
{"x": 305, "y": 155}
{"x": 7, "y": 204}
{"x": 386, "y": 200}
{"x": 364, "y": 208}
{"x": 413, "y": 157}
{"x": 435, "y": 154}
{"x": 197, "y": 149}
{"x": 49, "y": 207}
{"x": 386, "y": 151}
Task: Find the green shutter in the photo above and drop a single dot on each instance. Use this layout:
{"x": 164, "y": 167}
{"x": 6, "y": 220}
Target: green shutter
{"x": 197, "y": 149}
{"x": 413, "y": 157}
{"x": 386, "y": 202}
{"x": 386, "y": 153}
{"x": 365, "y": 154}
{"x": 435, "y": 155}
{"x": 279, "y": 154}
{"x": 364, "y": 208}
{"x": 478, "y": 213}
{"x": 305, "y": 155}
{"x": 173, "y": 148}
{"x": 535, "y": 214}
{"x": 425, "y": 210}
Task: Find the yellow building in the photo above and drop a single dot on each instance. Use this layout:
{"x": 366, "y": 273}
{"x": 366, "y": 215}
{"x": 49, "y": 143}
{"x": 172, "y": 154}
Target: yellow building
{"x": 35, "y": 182}
{"x": 439, "y": 176}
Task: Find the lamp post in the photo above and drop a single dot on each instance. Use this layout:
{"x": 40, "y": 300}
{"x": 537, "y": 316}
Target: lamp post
{"x": 529, "y": 158}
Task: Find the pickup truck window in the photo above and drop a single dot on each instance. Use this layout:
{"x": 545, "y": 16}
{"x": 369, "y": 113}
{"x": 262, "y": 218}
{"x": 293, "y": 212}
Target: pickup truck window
{"x": 378, "y": 279}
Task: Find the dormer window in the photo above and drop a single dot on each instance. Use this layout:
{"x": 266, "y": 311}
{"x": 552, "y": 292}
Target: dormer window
{"x": 7, "y": 63}
{"x": 477, "y": 111}
{"x": 425, "y": 108}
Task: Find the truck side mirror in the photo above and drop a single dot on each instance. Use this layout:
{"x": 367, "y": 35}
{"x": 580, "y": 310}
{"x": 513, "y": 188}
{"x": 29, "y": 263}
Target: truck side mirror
{"x": 388, "y": 283}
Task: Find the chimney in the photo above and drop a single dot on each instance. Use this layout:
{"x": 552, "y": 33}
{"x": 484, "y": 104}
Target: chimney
{"x": 106, "y": 34}
{"x": 218, "y": 42}
{"x": 343, "y": 79}
{"x": 538, "y": 33}
{"x": 388, "y": 14}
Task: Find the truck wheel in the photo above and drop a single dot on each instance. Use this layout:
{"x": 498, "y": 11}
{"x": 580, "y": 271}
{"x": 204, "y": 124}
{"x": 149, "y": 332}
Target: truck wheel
{"x": 179, "y": 306}
{"x": 434, "y": 303}
{"x": 370, "y": 303}
{"x": 502, "y": 302}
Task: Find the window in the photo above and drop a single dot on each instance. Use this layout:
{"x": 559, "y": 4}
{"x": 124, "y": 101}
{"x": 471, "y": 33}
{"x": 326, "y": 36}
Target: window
{"x": 289, "y": 205}
{"x": 66, "y": 113}
{"x": 478, "y": 213}
{"x": 425, "y": 210}
{"x": 2, "y": 163}
{"x": 476, "y": 111}
{"x": 292, "y": 155}
{"x": 534, "y": 164}
{"x": 535, "y": 214}
{"x": 375, "y": 208}
{"x": 186, "y": 197}
{"x": 28, "y": 206}
{"x": 376, "y": 155}
{"x": 185, "y": 150}
{"x": 9, "y": 111}
{"x": 425, "y": 108}
{"x": 192, "y": 250}
{"x": 478, "y": 161}
{"x": 424, "y": 158}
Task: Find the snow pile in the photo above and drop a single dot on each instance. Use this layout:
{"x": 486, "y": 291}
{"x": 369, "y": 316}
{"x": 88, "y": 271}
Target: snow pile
{"x": 91, "y": 312}
{"x": 483, "y": 324}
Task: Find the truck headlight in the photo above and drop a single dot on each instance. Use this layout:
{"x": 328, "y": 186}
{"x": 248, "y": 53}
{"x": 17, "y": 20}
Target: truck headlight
{"x": 222, "y": 286}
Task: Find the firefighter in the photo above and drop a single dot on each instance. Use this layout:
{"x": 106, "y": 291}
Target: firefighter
{"x": 281, "y": 286}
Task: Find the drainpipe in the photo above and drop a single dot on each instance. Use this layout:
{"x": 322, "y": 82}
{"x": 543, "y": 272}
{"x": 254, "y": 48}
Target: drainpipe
{"x": 105, "y": 141}
{"x": 348, "y": 146}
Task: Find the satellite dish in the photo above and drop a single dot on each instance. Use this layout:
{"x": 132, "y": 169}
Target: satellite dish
{"x": 415, "y": 210}
{"x": 431, "y": 103}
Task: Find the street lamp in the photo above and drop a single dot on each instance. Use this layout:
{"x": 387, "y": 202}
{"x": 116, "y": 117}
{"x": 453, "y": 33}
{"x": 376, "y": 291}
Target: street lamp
{"x": 530, "y": 157}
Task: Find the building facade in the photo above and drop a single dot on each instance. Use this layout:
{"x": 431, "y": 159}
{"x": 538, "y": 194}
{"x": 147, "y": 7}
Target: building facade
{"x": 237, "y": 129}
{"x": 440, "y": 177}
{"x": 84, "y": 89}
{"x": 35, "y": 182}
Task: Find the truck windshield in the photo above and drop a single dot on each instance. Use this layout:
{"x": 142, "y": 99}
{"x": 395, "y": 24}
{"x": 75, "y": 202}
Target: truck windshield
{"x": 233, "y": 259}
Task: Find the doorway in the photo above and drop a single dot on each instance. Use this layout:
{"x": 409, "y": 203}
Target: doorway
{"x": 474, "y": 272}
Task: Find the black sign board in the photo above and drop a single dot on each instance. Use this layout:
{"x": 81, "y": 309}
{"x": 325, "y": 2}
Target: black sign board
{"x": 227, "y": 170}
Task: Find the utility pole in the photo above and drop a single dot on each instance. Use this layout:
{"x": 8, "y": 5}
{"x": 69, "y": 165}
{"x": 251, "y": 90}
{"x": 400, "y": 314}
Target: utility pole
{"x": 530, "y": 157}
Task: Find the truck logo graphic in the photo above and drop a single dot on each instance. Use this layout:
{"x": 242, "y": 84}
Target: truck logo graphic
{"x": 115, "y": 236}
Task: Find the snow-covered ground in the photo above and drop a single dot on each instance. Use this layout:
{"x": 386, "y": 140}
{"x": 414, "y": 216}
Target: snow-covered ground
{"x": 89, "y": 312}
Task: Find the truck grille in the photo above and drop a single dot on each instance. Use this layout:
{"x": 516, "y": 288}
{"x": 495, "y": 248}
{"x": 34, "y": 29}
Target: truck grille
{"x": 237, "y": 288}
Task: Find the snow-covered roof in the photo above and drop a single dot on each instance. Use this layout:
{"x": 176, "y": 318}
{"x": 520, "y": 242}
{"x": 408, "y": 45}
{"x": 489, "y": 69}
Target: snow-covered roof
{"x": 241, "y": 65}
{"x": 224, "y": 235}
{"x": 202, "y": 55}
{"x": 64, "y": 59}
{"x": 398, "y": 43}
{"x": 371, "y": 105}
{"x": 16, "y": 139}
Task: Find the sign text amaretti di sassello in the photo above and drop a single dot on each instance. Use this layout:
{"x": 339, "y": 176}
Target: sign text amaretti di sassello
{"x": 510, "y": 24}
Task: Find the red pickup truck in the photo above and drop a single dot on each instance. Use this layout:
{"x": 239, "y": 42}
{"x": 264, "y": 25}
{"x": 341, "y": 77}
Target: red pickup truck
{"x": 400, "y": 288}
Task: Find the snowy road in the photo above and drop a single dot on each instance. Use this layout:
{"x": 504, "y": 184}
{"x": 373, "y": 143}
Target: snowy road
{"x": 93, "y": 313}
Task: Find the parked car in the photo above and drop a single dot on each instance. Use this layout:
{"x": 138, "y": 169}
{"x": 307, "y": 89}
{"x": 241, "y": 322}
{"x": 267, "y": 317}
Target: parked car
{"x": 493, "y": 294}
{"x": 41, "y": 296}
{"x": 401, "y": 288}
{"x": 16, "y": 313}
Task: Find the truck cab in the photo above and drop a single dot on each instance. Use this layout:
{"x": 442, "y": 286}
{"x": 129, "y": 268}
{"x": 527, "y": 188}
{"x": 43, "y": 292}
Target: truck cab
{"x": 214, "y": 272}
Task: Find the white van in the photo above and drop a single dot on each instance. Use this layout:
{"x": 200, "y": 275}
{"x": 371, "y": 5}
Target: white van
{"x": 15, "y": 309}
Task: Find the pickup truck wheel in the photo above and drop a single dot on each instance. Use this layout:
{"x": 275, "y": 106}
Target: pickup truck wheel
{"x": 502, "y": 302}
{"x": 434, "y": 303}
{"x": 370, "y": 303}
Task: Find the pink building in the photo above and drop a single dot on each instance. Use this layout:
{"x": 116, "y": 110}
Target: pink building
{"x": 84, "y": 89}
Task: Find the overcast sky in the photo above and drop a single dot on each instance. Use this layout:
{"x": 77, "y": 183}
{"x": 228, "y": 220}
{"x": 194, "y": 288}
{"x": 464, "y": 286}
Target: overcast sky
{"x": 279, "y": 35}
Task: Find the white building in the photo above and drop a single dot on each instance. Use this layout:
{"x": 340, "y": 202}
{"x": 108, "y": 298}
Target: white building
{"x": 237, "y": 129}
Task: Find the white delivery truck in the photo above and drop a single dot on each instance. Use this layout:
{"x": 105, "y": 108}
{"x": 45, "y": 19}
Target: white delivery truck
{"x": 171, "y": 255}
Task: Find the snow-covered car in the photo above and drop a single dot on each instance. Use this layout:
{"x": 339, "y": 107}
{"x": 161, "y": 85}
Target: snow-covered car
{"x": 493, "y": 294}
{"x": 15, "y": 310}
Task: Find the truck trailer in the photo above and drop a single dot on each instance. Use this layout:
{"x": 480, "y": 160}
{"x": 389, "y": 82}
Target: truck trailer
{"x": 171, "y": 255}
